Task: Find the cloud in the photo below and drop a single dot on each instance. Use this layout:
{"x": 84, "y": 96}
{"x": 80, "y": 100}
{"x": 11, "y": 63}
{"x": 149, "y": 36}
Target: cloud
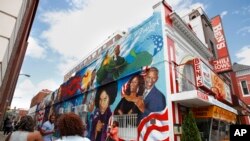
{"x": 26, "y": 90}
{"x": 236, "y": 12}
{"x": 23, "y": 94}
{"x": 48, "y": 84}
{"x": 184, "y": 7}
{"x": 77, "y": 3}
{"x": 75, "y": 32}
{"x": 243, "y": 55}
{"x": 66, "y": 65}
{"x": 34, "y": 50}
{"x": 224, "y": 13}
{"x": 244, "y": 31}
{"x": 243, "y": 11}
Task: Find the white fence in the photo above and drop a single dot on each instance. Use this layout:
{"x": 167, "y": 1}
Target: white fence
{"x": 127, "y": 126}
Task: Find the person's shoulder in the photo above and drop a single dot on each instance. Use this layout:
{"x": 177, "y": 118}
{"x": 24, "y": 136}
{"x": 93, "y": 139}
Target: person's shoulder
{"x": 73, "y": 138}
{"x": 34, "y": 136}
{"x": 46, "y": 123}
{"x": 156, "y": 90}
{"x": 80, "y": 138}
{"x": 86, "y": 139}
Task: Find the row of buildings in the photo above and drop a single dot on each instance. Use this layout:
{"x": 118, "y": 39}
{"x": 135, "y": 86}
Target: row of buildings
{"x": 195, "y": 73}
{"x": 191, "y": 55}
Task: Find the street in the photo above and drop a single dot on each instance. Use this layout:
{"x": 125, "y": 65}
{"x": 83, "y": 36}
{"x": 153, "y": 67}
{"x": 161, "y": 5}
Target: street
{"x": 2, "y": 137}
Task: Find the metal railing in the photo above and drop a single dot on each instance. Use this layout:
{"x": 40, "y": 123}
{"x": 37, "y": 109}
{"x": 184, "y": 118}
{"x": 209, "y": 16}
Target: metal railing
{"x": 127, "y": 126}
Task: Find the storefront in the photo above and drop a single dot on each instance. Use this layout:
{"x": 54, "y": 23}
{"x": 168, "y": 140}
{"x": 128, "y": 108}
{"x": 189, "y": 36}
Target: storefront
{"x": 243, "y": 110}
{"x": 213, "y": 122}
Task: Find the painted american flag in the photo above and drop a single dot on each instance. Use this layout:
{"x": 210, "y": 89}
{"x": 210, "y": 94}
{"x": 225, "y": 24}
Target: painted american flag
{"x": 158, "y": 42}
{"x": 154, "y": 127}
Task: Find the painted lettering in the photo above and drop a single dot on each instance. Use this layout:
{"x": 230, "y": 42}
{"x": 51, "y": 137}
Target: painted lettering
{"x": 222, "y": 64}
{"x": 221, "y": 45}
{"x": 219, "y": 36}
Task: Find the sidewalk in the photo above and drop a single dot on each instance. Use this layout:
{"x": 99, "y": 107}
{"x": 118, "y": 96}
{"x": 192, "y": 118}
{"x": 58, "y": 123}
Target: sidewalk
{"x": 2, "y": 137}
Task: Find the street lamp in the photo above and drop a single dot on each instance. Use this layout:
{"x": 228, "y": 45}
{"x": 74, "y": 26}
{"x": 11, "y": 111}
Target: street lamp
{"x": 27, "y": 75}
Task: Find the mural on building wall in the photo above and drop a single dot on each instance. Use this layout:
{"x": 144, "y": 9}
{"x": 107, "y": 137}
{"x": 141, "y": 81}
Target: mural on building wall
{"x": 127, "y": 83}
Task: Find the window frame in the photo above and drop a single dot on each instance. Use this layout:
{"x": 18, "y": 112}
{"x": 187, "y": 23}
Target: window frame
{"x": 243, "y": 88}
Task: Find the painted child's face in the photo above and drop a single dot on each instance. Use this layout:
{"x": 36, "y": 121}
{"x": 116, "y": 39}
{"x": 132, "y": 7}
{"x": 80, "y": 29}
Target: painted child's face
{"x": 103, "y": 101}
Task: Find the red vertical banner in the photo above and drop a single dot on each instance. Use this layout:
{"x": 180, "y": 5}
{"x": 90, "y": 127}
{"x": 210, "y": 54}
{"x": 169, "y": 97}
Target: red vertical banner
{"x": 221, "y": 47}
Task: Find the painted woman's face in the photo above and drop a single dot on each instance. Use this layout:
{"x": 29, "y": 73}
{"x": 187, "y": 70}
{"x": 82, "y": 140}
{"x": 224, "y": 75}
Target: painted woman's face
{"x": 134, "y": 84}
{"x": 103, "y": 102}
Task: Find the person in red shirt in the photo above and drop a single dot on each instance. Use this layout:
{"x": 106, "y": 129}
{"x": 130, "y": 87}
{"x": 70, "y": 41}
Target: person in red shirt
{"x": 113, "y": 133}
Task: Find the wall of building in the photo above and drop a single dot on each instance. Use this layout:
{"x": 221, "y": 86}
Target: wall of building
{"x": 162, "y": 42}
{"x": 245, "y": 98}
{"x": 17, "y": 45}
{"x": 39, "y": 97}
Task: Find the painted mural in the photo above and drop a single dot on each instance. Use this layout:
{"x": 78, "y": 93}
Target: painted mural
{"x": 125, "y": 84}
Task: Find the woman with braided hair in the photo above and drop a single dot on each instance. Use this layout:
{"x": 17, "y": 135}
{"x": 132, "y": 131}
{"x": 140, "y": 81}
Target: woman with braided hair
{"x": 25, "y": 131}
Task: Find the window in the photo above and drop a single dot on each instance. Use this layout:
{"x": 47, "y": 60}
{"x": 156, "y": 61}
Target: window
{"x": 244, "y": 87}
{"x": 203, "y": 125}
{"x": 194, "y": 15}
{"x": 212, "y": 48}
{"x": 188, "y": 79}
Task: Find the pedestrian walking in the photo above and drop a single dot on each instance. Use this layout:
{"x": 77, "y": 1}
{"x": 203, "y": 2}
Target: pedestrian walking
{"x": 71, "y": 128}
{"x": 8, "y": 125}
{"x": 25, "y": 131}
{"x": 47, "y": 128}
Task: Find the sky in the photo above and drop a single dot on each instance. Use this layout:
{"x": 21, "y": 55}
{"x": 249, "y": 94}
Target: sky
{"x": 64, "y": 32}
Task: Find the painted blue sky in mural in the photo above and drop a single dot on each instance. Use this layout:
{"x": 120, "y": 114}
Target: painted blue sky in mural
{"x": 66, "y": 31}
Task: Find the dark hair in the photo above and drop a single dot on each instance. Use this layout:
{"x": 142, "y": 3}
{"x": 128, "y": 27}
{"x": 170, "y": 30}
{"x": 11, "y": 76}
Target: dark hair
{"x": 141, "y": 85}
{"x": 70, "y": 124}
{"x": 26, "y": 124}
{"x": 52, "y": 115}
{"x": 111, "y": 90}
{"x": 116, "y": 123}
{"x": 153, "y": 69}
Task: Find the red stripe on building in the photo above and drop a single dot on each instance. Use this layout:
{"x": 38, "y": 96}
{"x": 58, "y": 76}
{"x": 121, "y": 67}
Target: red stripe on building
{"x": 175, "y": 137}
{"x": 170, "y": 46}
{"x": 179, "y": 115}
{"x": 167, "y": 139}
{"x": 163, "y": 116}
{"x": 167, "y": 10}
{"x": 154, "y": 127}
{"x": 173, "y": 111}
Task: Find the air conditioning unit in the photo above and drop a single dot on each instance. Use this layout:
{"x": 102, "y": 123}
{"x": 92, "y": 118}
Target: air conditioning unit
{"x": 61, "y": 110}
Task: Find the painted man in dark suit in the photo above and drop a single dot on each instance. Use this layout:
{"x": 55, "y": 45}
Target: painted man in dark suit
{"x": 153, "y": 99}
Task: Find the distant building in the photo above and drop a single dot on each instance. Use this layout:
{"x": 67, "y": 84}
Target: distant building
{"x": 39, "y": 97}
{"x": 22, "y": 112}
{"x": 16, "y": 114}
{"x": 241, "y": 89}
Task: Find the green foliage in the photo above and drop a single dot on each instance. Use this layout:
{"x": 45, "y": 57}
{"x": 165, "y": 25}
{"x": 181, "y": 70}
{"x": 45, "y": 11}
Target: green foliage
{"x": 190, "y": 131}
